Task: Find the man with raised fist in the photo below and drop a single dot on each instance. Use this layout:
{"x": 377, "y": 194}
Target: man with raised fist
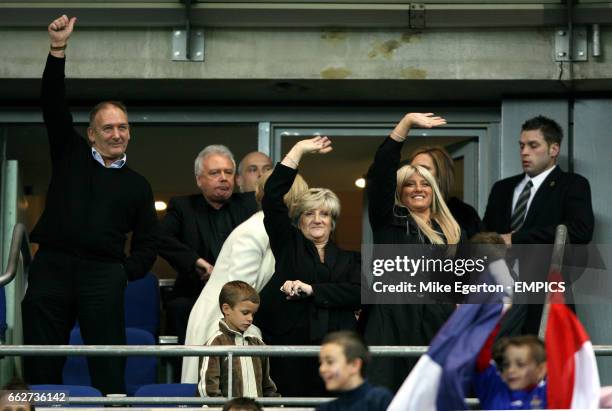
{"x": 93, "y": 201}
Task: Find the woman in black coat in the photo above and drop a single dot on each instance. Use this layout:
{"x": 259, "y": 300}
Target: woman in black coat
{"x": 315, "y": 288}
{"x": 405, "y": 207}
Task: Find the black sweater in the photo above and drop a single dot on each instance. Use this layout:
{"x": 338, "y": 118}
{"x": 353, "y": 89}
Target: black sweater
{"x": 90, "y": 209}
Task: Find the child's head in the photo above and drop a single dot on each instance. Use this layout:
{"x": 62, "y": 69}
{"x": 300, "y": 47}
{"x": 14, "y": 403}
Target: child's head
{"x": 521, "y": 361}
{"x": 239, "y": 302}
{"x": 343, "y": 359}
{"x": 242, "y": 404}
{"x": 488, "y": 244}
{"x": 9, "y": 402}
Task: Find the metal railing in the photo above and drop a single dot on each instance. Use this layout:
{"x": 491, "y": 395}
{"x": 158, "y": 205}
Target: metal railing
{"x": 556, "y": 264}
{"x": 229, "y": 351}
{"x": 20, "y": 247}
{"x": 20, "y": 244}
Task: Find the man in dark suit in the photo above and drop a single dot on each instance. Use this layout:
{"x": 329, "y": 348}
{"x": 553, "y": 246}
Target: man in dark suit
{"x": 195, "y": 228}
{"x": 526, "y": 208}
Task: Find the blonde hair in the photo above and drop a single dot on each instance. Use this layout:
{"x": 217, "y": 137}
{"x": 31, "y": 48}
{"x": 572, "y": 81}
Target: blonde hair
{"x": 439, "y": 211}
{"x": 318, "y": 198}
{"x": 298, "y": 188}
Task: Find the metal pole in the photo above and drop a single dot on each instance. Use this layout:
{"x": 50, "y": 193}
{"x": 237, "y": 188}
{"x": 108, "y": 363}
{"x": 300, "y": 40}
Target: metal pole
{"x": 230, "y": 368}
{"x": 556, "y": 263}
{"x": 596, "y": 43}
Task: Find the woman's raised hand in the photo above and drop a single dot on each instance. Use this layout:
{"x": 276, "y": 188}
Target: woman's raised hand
{"x": 423, "y": 120}
{"x": 318, "y": 144}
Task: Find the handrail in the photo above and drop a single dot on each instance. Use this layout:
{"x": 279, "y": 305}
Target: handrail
{"x": 195, "y": 401}
{"x": 556, "y": 264}
{"x": 20, "y": 245}
{"x": 199, "y": 350}
{"x": 192, "y": 402}
{"x": 195, "y": 350}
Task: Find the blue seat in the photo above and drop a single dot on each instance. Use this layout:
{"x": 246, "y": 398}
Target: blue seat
{"x": 72, "y": 390}
{"x": 167, "y": 390}
{"x": 138, "y": 370}
{"x": 142, "y": 304}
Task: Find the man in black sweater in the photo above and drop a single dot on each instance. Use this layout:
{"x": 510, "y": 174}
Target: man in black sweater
{"x": 93, "y": 201}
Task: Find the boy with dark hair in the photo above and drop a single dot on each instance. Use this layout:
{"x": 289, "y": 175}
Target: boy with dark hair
{"x": 343, "y": 360}
{"x": 515, "y": 380}
{"x": 242, "y": 404}
{"x": 250, "y": 375}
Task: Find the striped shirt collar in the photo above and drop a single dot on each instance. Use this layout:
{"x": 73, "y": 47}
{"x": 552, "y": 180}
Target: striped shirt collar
{"x": 115, "y": 164}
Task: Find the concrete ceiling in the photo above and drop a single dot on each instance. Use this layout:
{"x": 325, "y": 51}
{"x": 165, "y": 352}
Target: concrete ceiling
{"x": 159, "y": 92}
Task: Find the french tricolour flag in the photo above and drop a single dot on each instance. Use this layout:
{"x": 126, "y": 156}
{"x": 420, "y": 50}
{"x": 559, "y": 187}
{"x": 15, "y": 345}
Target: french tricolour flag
{"x": 449, "y": 362}
{"x": 573, "y": 380}
{"x": 441, "y": 378}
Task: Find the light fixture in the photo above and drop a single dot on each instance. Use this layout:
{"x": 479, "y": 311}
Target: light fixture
{"x": 160, "y": 205}
{"x": 360, "y": 182}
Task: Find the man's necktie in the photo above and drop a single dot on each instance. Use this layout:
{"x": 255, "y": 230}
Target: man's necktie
{"x": 518, "y": 216}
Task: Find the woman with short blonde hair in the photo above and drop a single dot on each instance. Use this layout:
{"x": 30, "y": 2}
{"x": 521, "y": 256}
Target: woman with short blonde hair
{"x": 316, "y": 286}
{"x": 317, "y": 198}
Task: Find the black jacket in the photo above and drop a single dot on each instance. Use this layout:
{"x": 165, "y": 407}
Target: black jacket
{"x": 563, "y": 198}
{"x": 336, "y": 282}
{"x": 466, "y": 216}
{"x": 183, "y": 234}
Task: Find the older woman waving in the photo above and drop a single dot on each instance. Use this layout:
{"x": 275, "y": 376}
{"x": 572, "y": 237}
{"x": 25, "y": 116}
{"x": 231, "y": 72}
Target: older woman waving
{"x": 405, "y": 207}
{"x": 316, "y": 285}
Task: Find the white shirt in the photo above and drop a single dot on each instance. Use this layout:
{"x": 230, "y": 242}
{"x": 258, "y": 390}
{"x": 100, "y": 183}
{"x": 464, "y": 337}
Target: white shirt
{"x": 536, "y": 181}
{"x": 115, "y": 164}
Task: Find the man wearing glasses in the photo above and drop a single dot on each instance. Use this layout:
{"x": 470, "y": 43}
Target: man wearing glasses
{"x": 93, "y": 201}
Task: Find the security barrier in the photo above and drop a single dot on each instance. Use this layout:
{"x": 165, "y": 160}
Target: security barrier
{"x": 229, "y": 351}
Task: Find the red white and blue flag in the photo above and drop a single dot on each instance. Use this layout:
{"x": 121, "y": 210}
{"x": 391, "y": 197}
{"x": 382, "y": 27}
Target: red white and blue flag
{"x": 442, "y": 377}
{"x": 573, "y": 380}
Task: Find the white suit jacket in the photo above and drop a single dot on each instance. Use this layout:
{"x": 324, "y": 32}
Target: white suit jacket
{"x": 246, "y": 256}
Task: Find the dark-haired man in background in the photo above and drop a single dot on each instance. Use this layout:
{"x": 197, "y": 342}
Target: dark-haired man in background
{"x": 94, "y": 200}
{"x": 526, "y": 208}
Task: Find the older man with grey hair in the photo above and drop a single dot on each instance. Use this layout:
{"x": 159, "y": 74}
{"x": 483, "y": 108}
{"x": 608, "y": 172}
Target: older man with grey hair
{"x": 196, "y": 226}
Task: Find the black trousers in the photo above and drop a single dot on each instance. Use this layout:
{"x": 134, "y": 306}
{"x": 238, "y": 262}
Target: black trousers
{"x": 62, "y": 288}
{"x": 177, "y": 318}
{"x": 400, "y": 324}
{"x": 296, "y": 376}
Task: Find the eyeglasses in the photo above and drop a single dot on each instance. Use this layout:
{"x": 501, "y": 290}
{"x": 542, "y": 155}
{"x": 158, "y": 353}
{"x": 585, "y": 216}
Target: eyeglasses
{"x": 109, "y": 129}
